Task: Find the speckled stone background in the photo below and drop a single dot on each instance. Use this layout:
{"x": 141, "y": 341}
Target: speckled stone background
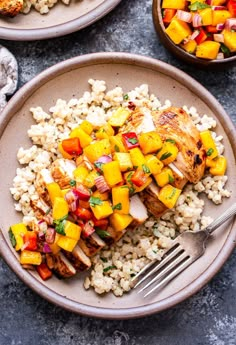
{"x": 208, "y": 318}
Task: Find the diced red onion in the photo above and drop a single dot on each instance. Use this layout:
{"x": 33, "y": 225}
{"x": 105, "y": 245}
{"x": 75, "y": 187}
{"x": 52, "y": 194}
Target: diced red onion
{"x": 194, "y": 34}
{"x": 230, "y": 24}
{"x": 220, "y": 26}
{"x": 209, "y": 2}
{"x": 42, "y": 226}
{"x": 41, "y": 235}
{"x": 104, "y": 159}
{"x": 184, "y": 16}
{"x": 46, "y": 248}
{"x": 81, "y": 192}
{"x": 218, "y": 8}
{"x": 50, "y": 235}
{"x": 219, "y": 38}
{"x": 88, "y": 229}
{"x": 101, "y": 184}
{"x": 220, "y": 56}
{"x": 197, "y": 20}
{"x": 71, "y": 198}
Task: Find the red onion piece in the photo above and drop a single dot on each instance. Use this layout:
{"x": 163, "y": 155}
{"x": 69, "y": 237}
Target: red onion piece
{"x": 41, "y": 235}
{"x": 230, "y": 24}
{"x": 46, "y": 248}
{"x": 71, "y": 198}
{"x": 194, "y": 34}
{"x": 220, "y": 26}
{"x": 104, "y": 159}
{"x": 220, "y": 56}
{"x": 218, "y": 8}
{"x": 88, "y": 229}
{"x": 197, "y": 20}
{"x": 184, "y": 16}
{"x": 42, "y": 226}
{"x": 101, "y": 184}
{"x": 209, "y": 2}
{"x": 218, "y": 38}
{"x": 50, "y": 235}
{"x": 81, "y": 192}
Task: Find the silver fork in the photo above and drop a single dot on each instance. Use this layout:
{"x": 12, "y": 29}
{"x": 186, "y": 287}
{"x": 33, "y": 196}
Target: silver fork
{"x": 185, "y": 249}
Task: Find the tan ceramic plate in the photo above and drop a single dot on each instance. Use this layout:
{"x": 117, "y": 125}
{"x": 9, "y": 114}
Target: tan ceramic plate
{"x": 61, "y": 20}
{"x": 69, "y": 79}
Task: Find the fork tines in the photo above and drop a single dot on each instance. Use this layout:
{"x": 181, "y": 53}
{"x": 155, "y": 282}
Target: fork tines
{"x": 175, "y": 260}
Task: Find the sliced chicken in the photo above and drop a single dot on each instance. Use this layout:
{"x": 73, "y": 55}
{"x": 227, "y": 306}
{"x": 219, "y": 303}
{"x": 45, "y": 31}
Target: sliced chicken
{"x": 10, "y": 8}
{"x": 179, "y": 179}
{"x": 91, "y": 244}
{"x": 138, "y": 211}
{"x": 60, "y": 265}
{"x": 62, "y": 172}
{"x": 150, "y": 198}
{"x": 78, "y": 259}
{"x": 40, "y": 208}
{"x": 42, "y": 179}
{"x": 113, "y": 237}
{"x": 175, "y": 123}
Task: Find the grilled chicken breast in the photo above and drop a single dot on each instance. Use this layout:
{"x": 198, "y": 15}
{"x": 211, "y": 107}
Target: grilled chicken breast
{"x": 10, "y": 8}
{"x": 42, "y": 179}
{"x": 91, "y": 244}
{"x": 176, "y": 124}
{"x": 78, "y": 259}
{"x": 62, "y": 172}
{"x": 60, "y": 265}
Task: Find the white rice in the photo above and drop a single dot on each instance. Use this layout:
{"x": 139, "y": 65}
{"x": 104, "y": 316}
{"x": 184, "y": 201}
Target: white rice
{"x": 42, "y": 6}
{"x": 135, "y": 248}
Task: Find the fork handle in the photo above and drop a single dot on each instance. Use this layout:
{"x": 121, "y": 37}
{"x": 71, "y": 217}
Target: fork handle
{"x": 220, "y": 220}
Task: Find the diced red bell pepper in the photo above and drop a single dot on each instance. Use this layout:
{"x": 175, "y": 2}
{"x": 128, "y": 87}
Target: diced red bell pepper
{"x": 168, "y": 14}
{"x": 83, "y": 213}
{"x": 88, "y": 229}
{"x": 43, "y": 270}
{"x": 139, "y": 178}
{"x": 201, "y": 37}
{"x": 82, "y": 192}
{"x": 231, "y": 5}
{"x": 212, "y": 29}
{"x": 30, "y": 241}
{"x": 72, "y": 146}
{"x": 100, "y": 223}
{"x": 130, "y": 140}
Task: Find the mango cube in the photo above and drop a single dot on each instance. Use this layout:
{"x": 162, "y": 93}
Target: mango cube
{"x": 72, "y": 230}
{"x": 119, "y": 117}
{"x": 150, "y": 142}
{"x": 208, "y": 49}
{"x": 84, "y": 138}
{"x": 220, "y": 166}
{"x": 175, "y": 4}
{"x": 54, "y": 191}
{"x": 137, "y": 157}
{"x": 97, "y": 149}
{"x": 178, "y": 30}
{"x": 164, "y": 177}
{"x": 117, "y": 144}
{"x": 124, "y": 160}
{"x": 112, "y": 173}
{"x": 169, "y": 195}
{"x": 154, "y": 164}
{"x": 18, "y": 230}
{"x": 67, "y": 243}
{"x": 209, "y": 144}
{"x": 168, "y": 153}
{"x": 103, "y": 210}
{"x": 120, "y": 199}
{"x": 119, "y": 221}
{"x": 28, "y": 257}
{"x": 60, "y": 208}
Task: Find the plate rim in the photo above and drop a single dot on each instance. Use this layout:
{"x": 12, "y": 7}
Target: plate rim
{"x": 61, "y": 29}
{"x": 227, "y": 247}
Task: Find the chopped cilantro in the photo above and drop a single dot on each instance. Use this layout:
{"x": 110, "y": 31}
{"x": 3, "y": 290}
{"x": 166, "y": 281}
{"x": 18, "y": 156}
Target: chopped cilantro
{"x": 172, "y": 141}
{"x": 60, "y": 225}
{"x": 209, "y": 152}
{"x": 171, "y": 179}
{"x": 102, "y": 233}
{"x": 165, "y": 155}
{"x": 104, "y": 259}
{"x": 132, "y": 141}
{"x": 12, "y": 238}
{"x": 126, "y": 97}
{"x": 117, "y": 206}
{"x": 146, "y": 169}
{"x": 116, "y": 147}
{"x": 95, "y": 201}
{"x": 72, "y": 183}
{"x": 225, "y": 50}
{"x": 109, "y": 268}
{"x": 198, "y": 6}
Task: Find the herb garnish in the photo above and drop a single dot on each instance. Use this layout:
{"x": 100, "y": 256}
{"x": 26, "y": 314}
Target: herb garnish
{"x": 109, "y": 268}
{"x": 117, "y": 206}
{"x": 116, "y": 147}
{"x": 171, "y": 178}
{"x": 209, "y": 152}
{"x": 12, "y": 238}
{"x": 198, "y": 6}
{"x": 60, "y": 225}
{"x": 172, "y": 141}
{"x": 126, "y": 97}
{"x": 165, "y": 155}
{"x": 132, "y": 141}
{"x": 93, "y": 201}
{"x": 72, "y": 183}
{"x": 146, "y": 169}
{"x": 104, "y": 259}
{"x": 102, "y": 233}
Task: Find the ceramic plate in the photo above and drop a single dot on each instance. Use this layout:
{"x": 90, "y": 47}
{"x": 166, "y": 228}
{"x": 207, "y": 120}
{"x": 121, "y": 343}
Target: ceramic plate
{"x": 69, "y": 79}
{"x": 61, "y": 20}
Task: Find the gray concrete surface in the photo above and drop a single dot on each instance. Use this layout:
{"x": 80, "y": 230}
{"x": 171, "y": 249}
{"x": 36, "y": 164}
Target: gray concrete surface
{"x": 209, "y": 317}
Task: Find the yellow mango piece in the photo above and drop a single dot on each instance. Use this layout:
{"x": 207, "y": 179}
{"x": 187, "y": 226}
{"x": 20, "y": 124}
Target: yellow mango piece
{"x": 105, "y": 132}
{"x": 168, "y": 153}
{"x": 134, "y": 189}
{"x": 209, "y": 144}
{"x": 147, "y": 183}
{"x": 120, "y": 199}
{"x": 178, "y": 30}
{"x": 63, "y": 152}
{"x": 72, "y": 230}
{"x": 84, "y": 138}
{"x": 80, "y": 173}
{"x": 218, "y": 2}
{"x": 103, "y": 210}
{"x": 19, "y": 230}
{"x": 164, "y": 177}
{"x": 87, "y": 127}
{"x": 97, "y": 149}
{"x": 230, "y": 40}
{"x": 150, "y": 142}
{"x": 119, "y": 221}
{"x": 220, "y": 167}
{"x": 54, "y": 191}
{"x": 67, "y": 243}
{"x": 208, "y": 50}
{"x": 112, "y": 173}
{"x": 117, "y": 144}
{"x": 28, "y": 257}
{"x": 220, "y": 17}
{"x": 210, "y": 163}
{"x": 54, "y": 246}
{"x": 124, "y": 160}
{"x": 102, "y": 196}
{"x": 60, "y": 208}
{"x": 190, "y": 46}
{"x": 119, "y": 117}
{"x": 169, "y": 195}
{"x": 154, "y": 164}
{"x": 64, "y": 191}
{"x": 206, "y": 15}
{"x": 89, "y": 180}
{"x": 175, "y": 4}
{"x": 137, "y": 157}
